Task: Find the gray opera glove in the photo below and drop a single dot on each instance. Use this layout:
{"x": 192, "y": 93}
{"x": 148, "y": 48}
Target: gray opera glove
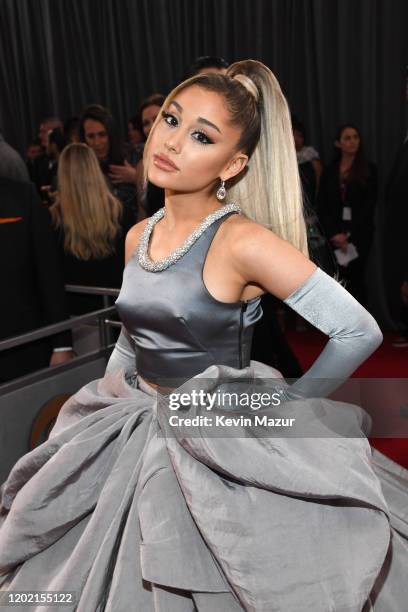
{"x": 123, "y": 355}
{"x": 354, "y": 334}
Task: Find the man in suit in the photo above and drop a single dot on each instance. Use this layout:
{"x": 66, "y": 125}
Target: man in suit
{"x": 32, "y": 293}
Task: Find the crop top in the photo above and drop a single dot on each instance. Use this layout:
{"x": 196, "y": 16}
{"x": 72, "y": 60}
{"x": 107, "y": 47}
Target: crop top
{"x": 178, "y": 327}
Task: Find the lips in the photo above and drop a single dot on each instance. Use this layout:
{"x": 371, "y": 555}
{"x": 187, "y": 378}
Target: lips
{"x": 163, "y": 162}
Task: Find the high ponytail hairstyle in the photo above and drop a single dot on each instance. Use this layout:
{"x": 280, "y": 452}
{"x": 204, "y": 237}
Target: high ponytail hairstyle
{"x": 268, "y": 190}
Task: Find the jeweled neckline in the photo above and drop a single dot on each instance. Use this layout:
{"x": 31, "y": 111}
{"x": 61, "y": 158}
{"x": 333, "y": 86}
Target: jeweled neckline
{"x": 157, "y": 266}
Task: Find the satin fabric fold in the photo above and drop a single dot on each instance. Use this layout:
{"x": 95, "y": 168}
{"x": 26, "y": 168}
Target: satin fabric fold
{"x": 132, "y": 516}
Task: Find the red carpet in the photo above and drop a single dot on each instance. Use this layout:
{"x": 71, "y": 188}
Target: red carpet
{"x": 386, "y": 362}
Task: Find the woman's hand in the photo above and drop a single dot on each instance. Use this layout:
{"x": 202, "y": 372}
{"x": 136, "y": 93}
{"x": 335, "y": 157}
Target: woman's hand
{"x": 122, "y": 174}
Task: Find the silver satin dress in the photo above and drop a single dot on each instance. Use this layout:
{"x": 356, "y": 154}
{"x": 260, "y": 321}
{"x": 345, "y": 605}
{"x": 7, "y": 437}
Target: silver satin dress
{"x": 134, "y": 517}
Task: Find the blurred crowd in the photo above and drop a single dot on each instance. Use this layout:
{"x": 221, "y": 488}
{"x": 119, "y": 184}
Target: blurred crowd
{"x": 81, "y": 187}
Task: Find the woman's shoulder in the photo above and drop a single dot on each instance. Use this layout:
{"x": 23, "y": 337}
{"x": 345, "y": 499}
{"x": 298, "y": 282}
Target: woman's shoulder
{"x": 133, "y": 238}
{"x": 240, "y": 234}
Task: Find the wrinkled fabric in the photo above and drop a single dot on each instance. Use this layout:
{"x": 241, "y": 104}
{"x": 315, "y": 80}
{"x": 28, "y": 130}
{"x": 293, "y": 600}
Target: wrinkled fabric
{"x": 131, "y": 519}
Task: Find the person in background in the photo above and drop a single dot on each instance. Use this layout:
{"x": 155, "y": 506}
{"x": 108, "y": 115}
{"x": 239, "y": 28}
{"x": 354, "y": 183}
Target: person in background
{"x": 33, "y": 292}
{"x": 56, "y": 144}
{"x": 34, "y": 150}
{"x": 150, "y": 198}
{"x": 346, "y": 208}
{"x": 43, "y": 167}
{"x": 310, "y": 169}
{"x": 99, "y": 131}
{"x": 148, "y": 111}
{"x": 72, "y": 129}
{"x": 91, "y": 226}
{"x": 11, "y": 163}
{"x": 206, "y": 64}
{"x": 46, "y": 125}
{"x": 134, "y": 131}
{"x": 310, "y": 166}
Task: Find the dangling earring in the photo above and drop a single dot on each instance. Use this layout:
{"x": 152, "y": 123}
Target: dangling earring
{"x": 221, "y": 192}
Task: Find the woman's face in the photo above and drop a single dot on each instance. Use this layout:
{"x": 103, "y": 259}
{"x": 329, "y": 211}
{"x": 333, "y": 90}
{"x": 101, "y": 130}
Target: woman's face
{"x": 149, "y": 115}
{"x": 196, "y": 136}
{"x": 349, "y": 141}
{"x": 97, "y": 137}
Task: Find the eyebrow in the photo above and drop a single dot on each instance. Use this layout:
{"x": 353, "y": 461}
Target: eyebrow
{"x": 200, "y": 119}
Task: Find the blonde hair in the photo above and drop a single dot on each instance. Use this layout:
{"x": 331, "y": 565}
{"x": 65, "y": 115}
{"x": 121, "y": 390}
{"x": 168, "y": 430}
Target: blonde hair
{"x": 269, "y": 189}
{"x": 85, "y": 208}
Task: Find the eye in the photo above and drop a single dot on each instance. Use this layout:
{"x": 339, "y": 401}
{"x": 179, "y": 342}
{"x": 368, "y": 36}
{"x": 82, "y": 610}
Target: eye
{"x": 168, "y": 118}
{"x": 204, "y": 140}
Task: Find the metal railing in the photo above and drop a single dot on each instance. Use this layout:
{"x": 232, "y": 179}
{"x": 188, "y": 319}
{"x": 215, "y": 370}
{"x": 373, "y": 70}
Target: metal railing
{"x": 104, "y": 322}
{"x": 55, "y": 328}
{"x": 73, "y": 322}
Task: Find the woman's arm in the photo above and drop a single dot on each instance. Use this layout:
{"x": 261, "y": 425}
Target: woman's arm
{"x": 353, "y": 334}
{"x": 277, "y": 266}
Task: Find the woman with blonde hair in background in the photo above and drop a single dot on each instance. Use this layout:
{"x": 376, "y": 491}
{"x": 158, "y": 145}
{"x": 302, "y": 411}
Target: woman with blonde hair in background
{"x": 136, "y": 504}
{"x": 91, "y": 224}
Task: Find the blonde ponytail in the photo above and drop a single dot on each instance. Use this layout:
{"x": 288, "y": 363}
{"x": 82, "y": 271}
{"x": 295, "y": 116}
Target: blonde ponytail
{"x": 270, "y": 192}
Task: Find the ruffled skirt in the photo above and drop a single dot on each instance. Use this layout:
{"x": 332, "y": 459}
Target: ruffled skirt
{"x": 130, "y": 516}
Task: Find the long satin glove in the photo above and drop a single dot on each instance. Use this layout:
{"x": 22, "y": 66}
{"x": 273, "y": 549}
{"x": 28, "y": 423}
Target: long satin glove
{"x": 354, "y": 334}
{"x": 123, "y": 355}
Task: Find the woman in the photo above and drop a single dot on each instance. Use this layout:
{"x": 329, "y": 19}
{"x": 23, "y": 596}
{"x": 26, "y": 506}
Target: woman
{"x": 136, "y": 513}
{"x": 346, "y": 207}
{"x": 99, "y": 130}
{"x": 91, "y": 225}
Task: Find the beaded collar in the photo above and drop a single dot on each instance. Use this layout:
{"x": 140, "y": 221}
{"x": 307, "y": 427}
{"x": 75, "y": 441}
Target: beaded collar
{"x": 157, "y": 266}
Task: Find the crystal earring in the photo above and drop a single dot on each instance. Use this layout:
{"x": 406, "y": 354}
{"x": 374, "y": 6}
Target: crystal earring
{"x": 221, "y": 192}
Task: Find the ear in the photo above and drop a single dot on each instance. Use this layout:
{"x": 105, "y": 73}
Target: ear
{"x": 234, "y": 166}
{"x": 337, "y": 144}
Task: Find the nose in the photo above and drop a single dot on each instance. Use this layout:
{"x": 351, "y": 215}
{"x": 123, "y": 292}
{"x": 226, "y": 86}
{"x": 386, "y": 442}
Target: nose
{"x": 173, "y": 143}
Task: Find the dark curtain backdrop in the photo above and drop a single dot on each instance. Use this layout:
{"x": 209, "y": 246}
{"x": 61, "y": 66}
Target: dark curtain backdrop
{"x": 337, "y": 61}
